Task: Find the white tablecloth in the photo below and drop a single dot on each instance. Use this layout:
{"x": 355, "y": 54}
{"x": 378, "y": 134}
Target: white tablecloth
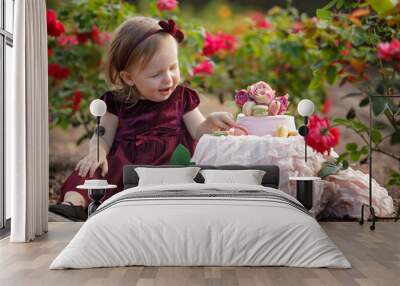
{"x": 337, "y": 195}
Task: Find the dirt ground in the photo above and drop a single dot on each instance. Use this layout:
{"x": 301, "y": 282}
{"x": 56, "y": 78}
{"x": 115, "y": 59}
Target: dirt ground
{"x": 64, "y": 153}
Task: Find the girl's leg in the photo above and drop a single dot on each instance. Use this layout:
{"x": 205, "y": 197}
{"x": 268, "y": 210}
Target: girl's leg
{"x": 75, "y": 198}
{"x": 69, "y": 192}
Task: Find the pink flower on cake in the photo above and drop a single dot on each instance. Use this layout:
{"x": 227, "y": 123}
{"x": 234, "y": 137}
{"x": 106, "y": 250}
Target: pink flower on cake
{"x": 284, "y": 103}
{"x": 241, "y": 97}
{"x": 274, "y": 107}
{"x": 261, "y": 92}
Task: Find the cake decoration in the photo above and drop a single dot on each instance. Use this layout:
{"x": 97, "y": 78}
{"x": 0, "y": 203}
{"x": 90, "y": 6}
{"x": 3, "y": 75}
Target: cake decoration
{"x": 263, "y": 113}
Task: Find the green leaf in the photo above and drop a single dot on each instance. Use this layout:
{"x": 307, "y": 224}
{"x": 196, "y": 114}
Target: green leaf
{"x": 376, "y": 136}
{"x": 324, "y": 14}
{"x": 351, "y": 146}
{"x": 381, "y": 6}
{"x": 316, "y": 81}
{"x": 328, "y": 168}
{"x": 331, "y": 73}
{"x": 351, "y": 114}
{"x": 330, "y": 5}
{"x": 345, "y": 164}
{"x": 395, "y": 138}
{"x": 355, "y": 156}
{"x": 180, "y": 156}
{"x": 364, "y": 102}
{"x": 341, "y": 121}
{"x": 378, "y": 105}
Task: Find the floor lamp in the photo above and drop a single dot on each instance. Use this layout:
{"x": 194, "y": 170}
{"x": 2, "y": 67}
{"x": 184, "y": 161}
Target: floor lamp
{"x": 369, "y": 205}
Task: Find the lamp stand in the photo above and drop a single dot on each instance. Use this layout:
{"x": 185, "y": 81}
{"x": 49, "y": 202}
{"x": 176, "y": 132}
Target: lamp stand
{"x": 369, "y": 206}
{"x": 303, "y": 131}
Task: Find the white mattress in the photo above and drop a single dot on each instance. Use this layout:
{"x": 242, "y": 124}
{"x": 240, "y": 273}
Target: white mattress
{"x": 190, "y": 230}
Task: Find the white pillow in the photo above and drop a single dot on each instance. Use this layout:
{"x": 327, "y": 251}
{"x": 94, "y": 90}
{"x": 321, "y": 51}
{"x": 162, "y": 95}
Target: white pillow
{"x": 249, "y": 177}
{"x": 163, "y": 176}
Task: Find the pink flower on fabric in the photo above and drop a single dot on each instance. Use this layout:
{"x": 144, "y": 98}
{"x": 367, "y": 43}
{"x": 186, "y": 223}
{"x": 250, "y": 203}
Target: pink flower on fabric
{"x": 261, "y": 92}
{"x": 241, "y": 97}
{"x": 205, "y": 67}
{"x": 166, "y": 5}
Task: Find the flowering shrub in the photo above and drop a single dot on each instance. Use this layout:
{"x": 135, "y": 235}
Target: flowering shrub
{"x": 360, "y": 44}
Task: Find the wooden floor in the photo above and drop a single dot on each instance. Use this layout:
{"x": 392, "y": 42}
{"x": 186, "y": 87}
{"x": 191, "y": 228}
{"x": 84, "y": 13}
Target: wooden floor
{"x": 375, "y": 257}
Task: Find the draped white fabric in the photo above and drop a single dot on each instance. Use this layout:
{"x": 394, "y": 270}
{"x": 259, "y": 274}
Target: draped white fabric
{"x": 27, "y": 139}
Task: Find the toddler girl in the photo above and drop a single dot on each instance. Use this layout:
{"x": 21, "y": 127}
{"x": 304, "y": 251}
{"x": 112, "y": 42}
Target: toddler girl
{"x": 148, "y": 112}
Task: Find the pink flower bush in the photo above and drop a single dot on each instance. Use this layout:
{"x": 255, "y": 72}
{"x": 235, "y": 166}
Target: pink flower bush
{"x": 166, "y": 5}
{"x": 241, "y": 97}
{"x": 214, "y": 44}
{"x": 205, "y": 67}
{"x": 260, "y": 94}
{"x": 389, "y": 51}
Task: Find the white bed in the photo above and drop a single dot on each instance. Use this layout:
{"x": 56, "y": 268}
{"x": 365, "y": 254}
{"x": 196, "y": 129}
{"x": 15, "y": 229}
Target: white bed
{"x": 224, "y": 225}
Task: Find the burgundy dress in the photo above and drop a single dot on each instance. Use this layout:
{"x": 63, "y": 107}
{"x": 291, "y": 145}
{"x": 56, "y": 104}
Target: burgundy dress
{"x": 147, "y": 133}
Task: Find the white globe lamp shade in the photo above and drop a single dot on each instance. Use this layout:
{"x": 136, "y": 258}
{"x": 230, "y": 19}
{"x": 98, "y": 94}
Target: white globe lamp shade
{"x": 98, "y": 107}
{"x": 305, "y": 107}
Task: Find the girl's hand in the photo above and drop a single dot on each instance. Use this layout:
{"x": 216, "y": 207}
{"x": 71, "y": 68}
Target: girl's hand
{"x": 89, "y": 164}
{"x": 223, "y": 120}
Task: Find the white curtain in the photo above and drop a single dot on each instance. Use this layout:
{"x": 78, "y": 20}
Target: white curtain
{"x": 27, "y": 140}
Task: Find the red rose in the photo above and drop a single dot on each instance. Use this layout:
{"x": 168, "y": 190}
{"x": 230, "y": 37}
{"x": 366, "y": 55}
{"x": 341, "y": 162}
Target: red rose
{"x": 98, "y": 37}
{"x": 389, "y": 51}
{"x": 166, "y": 5}
{"x": 205, "y": 67}
{"x": 259, "y": 21}
{"x": 65, "y": 40}
{"x": 76, "y": 100}
{"x": 49, "y": 52}
{"x": 321, "y": 137}
{"x": 58, "y": 72}
{"x": 54, "y": 27}
{"x": 213, "y": 44}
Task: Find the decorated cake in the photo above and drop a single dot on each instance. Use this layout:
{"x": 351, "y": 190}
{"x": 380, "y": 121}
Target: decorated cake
{"x": 263, "y": 113}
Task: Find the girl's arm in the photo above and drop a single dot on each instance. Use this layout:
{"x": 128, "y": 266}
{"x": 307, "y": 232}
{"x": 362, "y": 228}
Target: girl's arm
{"x": 198, "y": 125}
{"x": 110, "y": 122}
{"x": 89, "y": 163}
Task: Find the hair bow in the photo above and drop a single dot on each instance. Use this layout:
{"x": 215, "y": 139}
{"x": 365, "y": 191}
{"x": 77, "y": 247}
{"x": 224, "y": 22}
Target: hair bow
{"x": 171, "y": 28}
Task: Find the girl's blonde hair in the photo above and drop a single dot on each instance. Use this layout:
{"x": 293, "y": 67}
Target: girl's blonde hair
{"x": 120, "y": 54}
